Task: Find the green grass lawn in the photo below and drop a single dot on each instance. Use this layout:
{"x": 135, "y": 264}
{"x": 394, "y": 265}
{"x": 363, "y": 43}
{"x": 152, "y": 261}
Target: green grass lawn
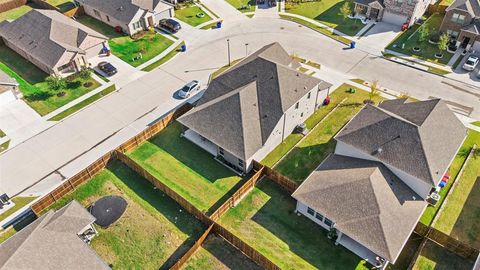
{"x": 266, "y": 220}
{"x": 249, "y": 5}
{"x": 153, "y": 231}
{"x": 453, "y": 170}
{"x": 328, "y": 13}
{"x": 165, "y": 59}
{"x": 126, "y": 48}
{"x": 319, "y": 143}
{"x": 476, "y": 123}
{"x": 461, "y": 211}
{"x": 4, "y": 146}
{"x": 19, "y": 203}
{"x": 62, "y": 5}
{"x": 428, "y": 50}
{"x": 434, "y": 257}
{"x": 189, "y": 15}
{"x": 216, "y": 254}
{"x": 186, "y": 168}
{"x": 15, "y": 13}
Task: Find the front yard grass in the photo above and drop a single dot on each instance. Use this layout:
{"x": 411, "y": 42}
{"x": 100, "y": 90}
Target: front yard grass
{"x": 319, "y": 143}
{"x": 436, "y": 257}
{"x": 189, "y": 15}
{"x": 266, "y": 220}
{"x": 153, "y": 231}
{"x": 216, "y": 254}
{"x": 453, "y": 170}
{"x": 328, "y": 13}
{"x": 243, "y": 5}
{"x": 428, "y": 50}
{"x": 186, "y": 168}
{"x": 461, "y": 211}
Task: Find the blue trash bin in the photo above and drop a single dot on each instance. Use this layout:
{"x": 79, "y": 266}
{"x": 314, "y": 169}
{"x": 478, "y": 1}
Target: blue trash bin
{"x": 352, "y": 45}
{"x": 183, "y": 48}
{"x": 219, "y": 24}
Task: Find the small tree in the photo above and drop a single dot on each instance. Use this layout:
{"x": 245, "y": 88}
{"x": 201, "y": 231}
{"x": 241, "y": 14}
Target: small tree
{"x": 404, "y": 95}
{"x": 345, "y": 10}
{"x": 56, "y": 82}
{"x": 443, "y": 42}
{"x": 424, "y": 33}
{"x": 85, "y": 73}
{"x": 374, "y": 92}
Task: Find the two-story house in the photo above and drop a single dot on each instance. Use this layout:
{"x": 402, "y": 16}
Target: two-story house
{"x": 388, "y": 159}
{"x": 395, "y": 12}
{"x": 131, "y": 16}
{"x": 252, "y": 107}
{"x": 462, "y": 23}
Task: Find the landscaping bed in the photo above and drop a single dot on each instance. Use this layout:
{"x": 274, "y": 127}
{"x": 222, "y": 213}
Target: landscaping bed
{"x": 243, "y": 5}
{"x": 266, "y": 220}
{"x": 153, "y": 232}
{"x": 186, "y": 168}
{"x": 192, "y": 15}
{"x": 435, "y": 257}
{"x": 216, "y": 253}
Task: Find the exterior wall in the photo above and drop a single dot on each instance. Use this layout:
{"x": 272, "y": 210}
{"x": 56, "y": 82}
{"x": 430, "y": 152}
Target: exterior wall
{"x": 302, "y": 208}
{"x": 448, "y": 24}
{"x": 7, "y": 97}
{"x": 27, "y": 56}
{"x": 420, "y": 187}
{"x": 411, "y": 9}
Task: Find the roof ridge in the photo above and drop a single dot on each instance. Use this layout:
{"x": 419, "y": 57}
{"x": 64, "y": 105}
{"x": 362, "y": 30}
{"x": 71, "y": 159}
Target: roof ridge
{"x": 393, "y": 115}
{"x": 425, "y": 156}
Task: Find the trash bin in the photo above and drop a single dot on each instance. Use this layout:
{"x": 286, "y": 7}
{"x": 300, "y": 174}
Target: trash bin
{"x": 219, "y": 24}
{"x": 352, "y": 45}
{"x": 326, "y": 101}
{"x": 183, "y": 48}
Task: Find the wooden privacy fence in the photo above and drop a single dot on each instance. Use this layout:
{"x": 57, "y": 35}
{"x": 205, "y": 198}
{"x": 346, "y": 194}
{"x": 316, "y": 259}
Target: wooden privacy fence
{"x": 178, "y": 265}
{"x": 285, "y": 182}
{"x": 9, "y": 5}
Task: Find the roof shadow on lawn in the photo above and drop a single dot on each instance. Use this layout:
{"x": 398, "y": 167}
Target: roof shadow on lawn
{"x": 303, "y": 237}
{"x": 28, "y": 71}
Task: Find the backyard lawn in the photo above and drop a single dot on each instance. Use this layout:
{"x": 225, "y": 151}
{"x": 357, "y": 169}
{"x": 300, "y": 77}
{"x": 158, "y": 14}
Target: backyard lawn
{"x": 189, "y": 15}
{"x": 319, "y": 143}
{"x": 216, "y": 254}
{"x": 186, "y": 168}
{"x": 62, "y": 5}
{"x": 434, "y": 257}
{"x": 243, "y": 5}
{"x": 148, "y": 46}
{"x": 430, "y": 212}
{"x": 154, "y": 230}
{"x": 14, "y": 13}
{"x": 428, "y": 50}
{"x": 328, "y": 13}
{"x": 461, "y": 211}
{"x": 266, "y": 220}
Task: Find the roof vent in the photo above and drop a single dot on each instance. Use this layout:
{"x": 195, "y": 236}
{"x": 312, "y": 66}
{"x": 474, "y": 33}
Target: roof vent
{"x": 414, "y": 198}
{"x": 378, "y": 151}
{"x": 120, "y": 8}
{"x": 305, "y": 87}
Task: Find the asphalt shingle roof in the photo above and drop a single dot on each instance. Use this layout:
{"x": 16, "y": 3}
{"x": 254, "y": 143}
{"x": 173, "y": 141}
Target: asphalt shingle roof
{"x": 470, "y": 6}
{"x": 365, "y": 201}
{"x": 51, "y": 242}
{"x": 242, "y": 106}
{"x": 47, "y": 35}
{"x": 420, "y": 138}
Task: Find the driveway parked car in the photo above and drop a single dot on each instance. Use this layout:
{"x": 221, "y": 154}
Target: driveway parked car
{"x": 471, "y": 63}
{"x": 107, "y": 68}
{"x": 187, "y": 90}
{"x": 170, "y": 25}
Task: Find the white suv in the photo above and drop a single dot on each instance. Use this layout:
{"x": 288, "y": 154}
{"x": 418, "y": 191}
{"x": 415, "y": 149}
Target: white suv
{"x": 471, "y": 63}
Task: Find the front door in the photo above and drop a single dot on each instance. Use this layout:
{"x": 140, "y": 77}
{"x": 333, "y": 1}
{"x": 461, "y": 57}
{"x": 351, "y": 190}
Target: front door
{"x": 373, "y": 13}
{"x": 465, "y": 42}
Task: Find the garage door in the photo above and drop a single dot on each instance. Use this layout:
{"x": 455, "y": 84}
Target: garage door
{"x": 394, "y": 18}
{"x": 476, "y": 46}
{"x": 162, "y": 15}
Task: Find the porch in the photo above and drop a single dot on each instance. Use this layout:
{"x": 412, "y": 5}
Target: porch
{"x": 358, "y": 249}
{"x": 200, "y": 141}
{"x": 372, "y": 10}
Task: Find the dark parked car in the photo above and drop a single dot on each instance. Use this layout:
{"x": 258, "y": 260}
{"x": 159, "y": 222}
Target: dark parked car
{"x": 170, "y": 25}
{"x": 107, "y": 68}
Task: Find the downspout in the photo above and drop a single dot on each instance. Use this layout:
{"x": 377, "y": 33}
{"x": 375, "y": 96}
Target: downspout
{"x": 283, "y": 129}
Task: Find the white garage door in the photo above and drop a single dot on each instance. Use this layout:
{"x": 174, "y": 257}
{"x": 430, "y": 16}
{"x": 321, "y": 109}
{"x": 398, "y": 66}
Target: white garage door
{"x": 476, "y": 46}
{"x": 162, "y": 15}
{"x": 394, "y": 18}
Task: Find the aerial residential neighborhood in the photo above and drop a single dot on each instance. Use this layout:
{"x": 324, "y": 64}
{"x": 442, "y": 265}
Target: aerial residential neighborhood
{"x": 239, "y": 134}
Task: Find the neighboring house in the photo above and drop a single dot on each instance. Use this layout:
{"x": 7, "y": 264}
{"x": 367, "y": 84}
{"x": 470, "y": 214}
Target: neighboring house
{"x": 395, "y": 12}
{"x": 462, "y": 23}
{"x": 56, "y": 240}
{"x": 388, "y": 159}
{"x": 9, "y": 90}
{"x": 130, "y": 15}
{"x": 252, "y": 107}
{"x": 53, "y": 42}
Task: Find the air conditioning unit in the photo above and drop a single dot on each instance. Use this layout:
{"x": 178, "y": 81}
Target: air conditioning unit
{"x": 433, "y": 198}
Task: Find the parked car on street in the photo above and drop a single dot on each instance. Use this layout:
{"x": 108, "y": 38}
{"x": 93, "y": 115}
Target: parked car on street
{"x": 107, "y": 68}
{"x": 187, "y": 90}
{"x": 471, "y": 63}
{"x": 170, "y": 25}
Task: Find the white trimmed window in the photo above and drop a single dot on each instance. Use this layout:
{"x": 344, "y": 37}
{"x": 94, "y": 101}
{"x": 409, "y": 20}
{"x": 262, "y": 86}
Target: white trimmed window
{"x": 458, "y": 18}
{"x": 453, "y": 34}
{"x": 310, "y": 211}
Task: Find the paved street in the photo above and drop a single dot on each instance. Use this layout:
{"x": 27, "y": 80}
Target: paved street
{"x": 72, "y": 144}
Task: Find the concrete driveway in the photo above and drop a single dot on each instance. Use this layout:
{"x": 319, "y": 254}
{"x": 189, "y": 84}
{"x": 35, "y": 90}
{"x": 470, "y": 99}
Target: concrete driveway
{"x": 461, "y": 74}
{"x": 375, "y": 40}
{"x": 126, "y": 73}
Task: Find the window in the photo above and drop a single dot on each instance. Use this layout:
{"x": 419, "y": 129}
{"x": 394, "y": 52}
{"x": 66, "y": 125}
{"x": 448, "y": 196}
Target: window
{"x": 220, "y": 151}
{"x": 108, "y": 18}
{"x": 453, "y": 34}
{"x": 296, "y": 106}
{"x": 458, "y": 18}
{"x": 310, "y": 211}
{"x": 398, "y": 2}
{"x": 96, "y": 13}
{"x": 240, "y": 163}
{"x": 328, "y": 222}
{"x": 136, "y": 25}
{"x": 309, "y": 94}
{"x": 319, "y": 216}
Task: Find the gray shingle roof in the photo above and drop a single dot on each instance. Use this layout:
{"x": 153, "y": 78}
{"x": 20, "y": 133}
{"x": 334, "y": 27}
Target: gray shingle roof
{"x": 51, "y": 242}
{"x": 47, "y": 35}
{"x": 470, "y": 6}
{"x": 368, "y": 2}
{"x": 419, "y": 138}
{"x": 241, "y": 107}
{"x": 365, "y": 200}
{"x": 473, "y": 27}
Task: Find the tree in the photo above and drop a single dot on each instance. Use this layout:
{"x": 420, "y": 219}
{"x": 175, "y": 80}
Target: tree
{"x": 374, "y": 92}
{"x": 404, "y": 95}
{"x": 443, "y": 42}
{"x": 56, "y": 82}
{"x": 85, "y": 73}
{"x": 345, "y": 10}
{"x": 424, "y": 33}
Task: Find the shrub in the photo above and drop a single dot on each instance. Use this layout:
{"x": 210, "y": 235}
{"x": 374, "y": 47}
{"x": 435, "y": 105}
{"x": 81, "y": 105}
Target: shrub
{"x": 56, "y": 82}
{"x": 85, "y": 73}
{"x": 435, "y": 37}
